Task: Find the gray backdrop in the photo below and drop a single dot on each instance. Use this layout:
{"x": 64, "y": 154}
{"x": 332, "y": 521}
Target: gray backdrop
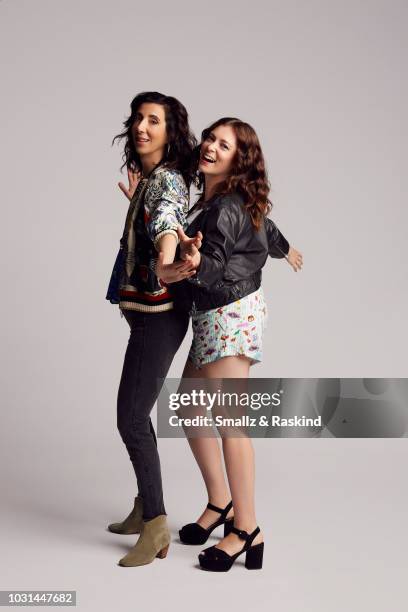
{"x": 324, "y": 85}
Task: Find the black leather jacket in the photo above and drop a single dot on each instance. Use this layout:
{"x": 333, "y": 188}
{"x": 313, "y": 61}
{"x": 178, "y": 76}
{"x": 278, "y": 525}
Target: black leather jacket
{"x": 232, "y": 255}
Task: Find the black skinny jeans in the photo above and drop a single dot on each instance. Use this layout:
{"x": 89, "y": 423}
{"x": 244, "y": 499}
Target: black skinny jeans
{"x": 154, "y": 340}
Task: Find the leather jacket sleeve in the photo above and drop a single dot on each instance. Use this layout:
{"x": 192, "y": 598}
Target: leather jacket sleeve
{"x": 220, "y": 236}
{"x": 278, "y": 246}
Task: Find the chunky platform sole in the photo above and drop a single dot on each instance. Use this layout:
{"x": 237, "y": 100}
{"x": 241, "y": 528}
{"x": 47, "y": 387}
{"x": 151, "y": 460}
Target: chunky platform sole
{"x": 214, "y": 559}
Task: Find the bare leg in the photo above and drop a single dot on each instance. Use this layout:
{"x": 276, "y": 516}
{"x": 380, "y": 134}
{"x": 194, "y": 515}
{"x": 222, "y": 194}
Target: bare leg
{"x": 207, "y": 453}
{"x": 239, "y": 460}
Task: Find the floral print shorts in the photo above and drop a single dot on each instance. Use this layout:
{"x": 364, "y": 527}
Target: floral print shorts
{"x": 234, "y": 329}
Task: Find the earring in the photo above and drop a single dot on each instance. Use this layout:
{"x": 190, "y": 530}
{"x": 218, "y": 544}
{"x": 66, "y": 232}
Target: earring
{"x": 168, "y": 149}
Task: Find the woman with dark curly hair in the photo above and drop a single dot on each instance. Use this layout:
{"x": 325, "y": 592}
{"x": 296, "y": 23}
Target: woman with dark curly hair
{"x": 157, "y": 153}
{"x": 228, "y": 317}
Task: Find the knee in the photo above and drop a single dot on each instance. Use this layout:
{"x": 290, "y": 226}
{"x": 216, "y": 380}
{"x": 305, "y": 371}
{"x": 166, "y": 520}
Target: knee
{"x": 131, "y": 430}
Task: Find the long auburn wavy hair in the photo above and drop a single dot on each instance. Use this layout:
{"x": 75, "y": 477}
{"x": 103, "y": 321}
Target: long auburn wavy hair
{"x": 181, "y": 141}
{"x": 248, "y": 173}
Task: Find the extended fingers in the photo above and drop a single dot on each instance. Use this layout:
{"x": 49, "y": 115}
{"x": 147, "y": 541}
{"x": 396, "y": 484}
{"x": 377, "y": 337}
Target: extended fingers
{"x": 188, "y": 273}
{"x": 133, "y": 176}
{"x": 180, "y": 265}
{"x": 295, "y": 259}
{"x": 199, "y": 237}
{"x": 196, "y": 240}
{"x": 125, "y": 190}
{"x": 175, "y": 277}
{"x": 190, "y": 260}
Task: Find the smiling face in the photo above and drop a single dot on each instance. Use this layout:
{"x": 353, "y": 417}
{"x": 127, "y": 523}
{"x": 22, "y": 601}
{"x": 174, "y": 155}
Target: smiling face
{"x": 149, "y": 131}
{"x": 217, "y": 152}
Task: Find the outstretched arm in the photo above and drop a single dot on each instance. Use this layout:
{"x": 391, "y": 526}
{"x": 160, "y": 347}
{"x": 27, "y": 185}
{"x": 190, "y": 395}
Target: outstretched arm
{"x": 278, "y": 246}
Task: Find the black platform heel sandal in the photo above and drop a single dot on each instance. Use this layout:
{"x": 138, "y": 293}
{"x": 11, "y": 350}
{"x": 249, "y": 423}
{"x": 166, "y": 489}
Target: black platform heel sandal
{"x": 214, "y": 559}
{"x": 193, "y": 533}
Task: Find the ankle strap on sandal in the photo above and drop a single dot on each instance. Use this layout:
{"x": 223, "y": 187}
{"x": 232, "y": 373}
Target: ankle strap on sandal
{"x": 244, "y": 535}
{"x": 222, "y": 511}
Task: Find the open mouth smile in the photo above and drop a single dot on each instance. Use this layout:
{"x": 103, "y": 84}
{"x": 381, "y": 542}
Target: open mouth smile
{"x": 208, "y": 159}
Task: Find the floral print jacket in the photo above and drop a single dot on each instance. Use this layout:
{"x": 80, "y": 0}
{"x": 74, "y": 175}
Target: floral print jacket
{"x": 159, "y": 205}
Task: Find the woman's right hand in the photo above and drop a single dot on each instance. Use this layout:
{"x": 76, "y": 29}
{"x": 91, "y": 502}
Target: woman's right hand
{"x": 133, "y": 180}
{"x": 174, "y": 272}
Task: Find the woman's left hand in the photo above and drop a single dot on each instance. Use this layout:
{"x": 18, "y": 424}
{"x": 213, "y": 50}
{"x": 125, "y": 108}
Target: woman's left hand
{"x": 174, "y": 272}
{"x": 295, "y": 259}
{"x": 188, "y": 246}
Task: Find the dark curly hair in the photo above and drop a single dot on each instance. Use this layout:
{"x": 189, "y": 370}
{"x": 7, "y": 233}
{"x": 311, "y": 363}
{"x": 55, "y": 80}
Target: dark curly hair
{"x": 248, "y": 173}
{"x": 181, "y": 140}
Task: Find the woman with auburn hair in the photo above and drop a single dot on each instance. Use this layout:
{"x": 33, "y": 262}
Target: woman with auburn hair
{"x": 157, "y": 153}
{"x": 228, "y": 313}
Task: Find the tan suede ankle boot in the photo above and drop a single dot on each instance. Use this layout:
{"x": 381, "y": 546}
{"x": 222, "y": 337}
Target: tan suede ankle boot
{"x": 154, "y": 542}
{"x": 132, "y": 523}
